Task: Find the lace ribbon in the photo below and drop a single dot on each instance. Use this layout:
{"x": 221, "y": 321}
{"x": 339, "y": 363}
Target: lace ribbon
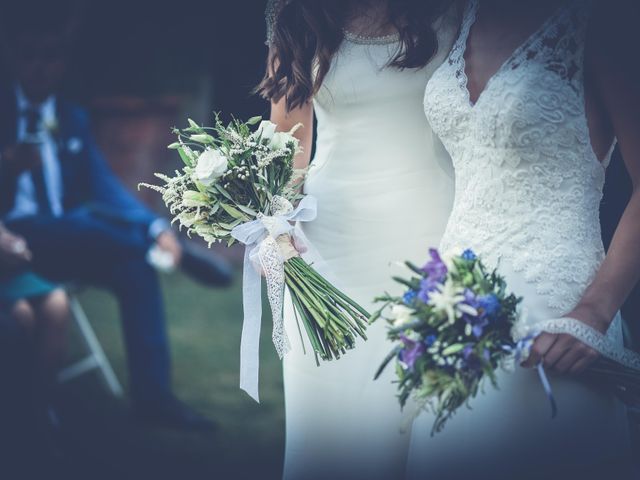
{"x": 267, "y": 243}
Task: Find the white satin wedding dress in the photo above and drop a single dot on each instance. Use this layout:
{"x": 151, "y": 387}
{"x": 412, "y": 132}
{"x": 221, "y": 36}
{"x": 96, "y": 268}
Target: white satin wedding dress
{"x": 528, "y": 189}
{"x": 384, "y": 186}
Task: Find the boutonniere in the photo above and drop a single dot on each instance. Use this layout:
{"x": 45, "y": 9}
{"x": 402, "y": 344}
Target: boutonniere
{"x": 52, "y": 127}
{"x": 74, "y": 145}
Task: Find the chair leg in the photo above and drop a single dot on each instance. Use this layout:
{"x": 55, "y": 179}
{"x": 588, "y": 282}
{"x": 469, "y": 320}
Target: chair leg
{"x": 96, "y": 359}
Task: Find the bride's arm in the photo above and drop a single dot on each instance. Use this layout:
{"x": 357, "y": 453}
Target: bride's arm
{"x": 614, "y": 72}
{"x": 287, "y": 120}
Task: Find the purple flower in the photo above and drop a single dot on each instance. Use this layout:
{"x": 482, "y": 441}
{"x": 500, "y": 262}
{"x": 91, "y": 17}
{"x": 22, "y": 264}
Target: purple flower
{"x": 470, "y": 298}
{"x": 435, "y": 268}
{"x": 426, "y": 287}
{"x": 411, "y": 352}
{"x": 436, "y": 273}
{"x": 477, "y": 324}
{"x": 471, "y": 360}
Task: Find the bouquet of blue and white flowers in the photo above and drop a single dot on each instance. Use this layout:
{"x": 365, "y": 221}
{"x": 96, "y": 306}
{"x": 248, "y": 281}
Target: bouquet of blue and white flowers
{"x": 455, "y": 326}
{"x": 452, "y": 329}
{"x": 238, "y": 184}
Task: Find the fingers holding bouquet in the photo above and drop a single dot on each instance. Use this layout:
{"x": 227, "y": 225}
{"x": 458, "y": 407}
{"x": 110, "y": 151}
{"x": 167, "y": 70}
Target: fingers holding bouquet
{"x": 560, "y": 353}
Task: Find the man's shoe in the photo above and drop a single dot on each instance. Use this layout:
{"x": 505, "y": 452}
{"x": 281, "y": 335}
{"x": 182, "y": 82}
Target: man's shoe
{"x": 205, "y": 267}
{"x": 170, "y": 412}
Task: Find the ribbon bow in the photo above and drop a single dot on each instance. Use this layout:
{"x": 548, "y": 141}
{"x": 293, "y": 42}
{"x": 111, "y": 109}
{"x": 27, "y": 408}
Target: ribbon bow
{"x": 266, "y": 252}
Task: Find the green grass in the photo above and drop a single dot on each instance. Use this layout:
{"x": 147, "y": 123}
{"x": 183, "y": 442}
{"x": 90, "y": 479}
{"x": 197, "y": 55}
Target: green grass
{"x": 204, "y": 327}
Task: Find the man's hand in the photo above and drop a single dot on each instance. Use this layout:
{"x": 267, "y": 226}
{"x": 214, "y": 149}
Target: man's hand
{"x": 13, "y": 249}
{"x": 168, "y": 242}
{"x": 20, "y": 158}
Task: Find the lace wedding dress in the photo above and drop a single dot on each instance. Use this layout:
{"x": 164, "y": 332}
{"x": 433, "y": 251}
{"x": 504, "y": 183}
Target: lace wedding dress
{"x": 384, "y": 186}
{"x": 528, "y": 189}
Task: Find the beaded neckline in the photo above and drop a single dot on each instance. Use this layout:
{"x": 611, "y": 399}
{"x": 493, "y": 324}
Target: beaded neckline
{"x": 371, "y": 40}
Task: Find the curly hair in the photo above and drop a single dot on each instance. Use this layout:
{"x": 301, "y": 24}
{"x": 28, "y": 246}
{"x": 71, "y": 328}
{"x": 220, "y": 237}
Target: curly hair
{"x": 307, "y": 34}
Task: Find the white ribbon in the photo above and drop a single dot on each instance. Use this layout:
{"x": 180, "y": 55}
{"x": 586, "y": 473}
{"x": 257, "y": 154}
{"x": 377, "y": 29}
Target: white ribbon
{"x": 264, "y": 254}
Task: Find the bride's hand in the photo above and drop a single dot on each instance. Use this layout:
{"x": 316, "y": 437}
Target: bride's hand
{"x": 563, "y": 353}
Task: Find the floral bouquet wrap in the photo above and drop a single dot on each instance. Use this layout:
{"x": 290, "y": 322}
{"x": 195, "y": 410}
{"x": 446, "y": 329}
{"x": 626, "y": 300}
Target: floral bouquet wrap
{"x": 238, "y": 183}
{"x": 454, "y": 327}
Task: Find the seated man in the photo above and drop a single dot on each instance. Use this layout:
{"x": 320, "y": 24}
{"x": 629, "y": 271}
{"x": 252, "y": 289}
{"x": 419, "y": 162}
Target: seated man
{"x": 57, "y": 192}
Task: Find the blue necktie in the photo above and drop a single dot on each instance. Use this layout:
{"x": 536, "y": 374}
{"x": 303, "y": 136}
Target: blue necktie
{"x": 34, "y": 130}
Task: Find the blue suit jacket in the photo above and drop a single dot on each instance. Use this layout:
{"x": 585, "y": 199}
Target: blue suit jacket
{"x": 87, "y": 179}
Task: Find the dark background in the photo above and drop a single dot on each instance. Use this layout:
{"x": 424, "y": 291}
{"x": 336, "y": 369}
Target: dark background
{"x": 141, "y": 67}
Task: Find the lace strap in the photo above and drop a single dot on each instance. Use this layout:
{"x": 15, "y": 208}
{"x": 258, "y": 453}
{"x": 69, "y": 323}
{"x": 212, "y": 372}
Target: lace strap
{"x": 271, "y": 17}
{"x": 559, "y": 43}
{"x": 468, "y": 19}
{"x": 456, "y": 56}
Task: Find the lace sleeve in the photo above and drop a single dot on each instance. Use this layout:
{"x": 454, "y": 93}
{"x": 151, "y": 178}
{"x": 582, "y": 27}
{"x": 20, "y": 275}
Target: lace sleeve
{"x": 271, "y": 16}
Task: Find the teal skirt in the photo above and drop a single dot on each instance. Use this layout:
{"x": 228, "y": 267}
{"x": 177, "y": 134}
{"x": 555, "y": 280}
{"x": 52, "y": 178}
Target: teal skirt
{"x": 24, "y": 285}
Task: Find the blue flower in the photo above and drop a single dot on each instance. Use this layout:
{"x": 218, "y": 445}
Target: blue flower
{"x": 430, "y": 340}
{"x": 490, "y": 304}
{"x": 468, "y": 254}
{"x": 409, "y": 297}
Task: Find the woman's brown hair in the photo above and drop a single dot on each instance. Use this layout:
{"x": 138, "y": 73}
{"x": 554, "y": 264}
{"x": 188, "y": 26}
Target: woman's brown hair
{"x": 307, "y": 33}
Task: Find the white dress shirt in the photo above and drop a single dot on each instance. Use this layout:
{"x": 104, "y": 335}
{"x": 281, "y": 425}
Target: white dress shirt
{"x": 25, "y": 200}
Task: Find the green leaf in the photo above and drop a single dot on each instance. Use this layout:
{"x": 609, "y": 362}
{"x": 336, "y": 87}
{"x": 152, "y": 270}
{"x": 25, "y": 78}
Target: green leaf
{"x": 185, "y": 158}
{"x": 451, "y": 349}
{"x": 247, "y": 210}
{"x": 234, "y": 212}
{"x": 174, "y": 146}
{"x": 254, "y": 120}
{"x": 386, "y": 361}
{"x": 203, "y": 138}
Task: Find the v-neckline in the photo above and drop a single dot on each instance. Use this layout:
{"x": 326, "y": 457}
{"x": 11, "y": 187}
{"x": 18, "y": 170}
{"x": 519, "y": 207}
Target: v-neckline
{"x": 471, "y": 15}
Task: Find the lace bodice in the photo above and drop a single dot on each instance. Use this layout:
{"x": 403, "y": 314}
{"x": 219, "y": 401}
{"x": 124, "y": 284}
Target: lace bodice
{"x": 528, "y": 183}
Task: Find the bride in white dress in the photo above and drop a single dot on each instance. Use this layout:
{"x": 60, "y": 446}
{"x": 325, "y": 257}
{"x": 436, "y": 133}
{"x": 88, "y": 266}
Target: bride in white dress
{"x": 384, "y": 188}
{"x": 530, "y": 133}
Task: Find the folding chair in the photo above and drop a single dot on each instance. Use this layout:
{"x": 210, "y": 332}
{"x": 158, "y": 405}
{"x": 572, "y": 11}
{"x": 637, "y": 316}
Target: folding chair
{"x": 96, "y": 358}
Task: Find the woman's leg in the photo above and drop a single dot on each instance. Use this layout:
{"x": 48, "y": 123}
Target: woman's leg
{"x": 52, "y": 316}
{"x": 24, "y": 315}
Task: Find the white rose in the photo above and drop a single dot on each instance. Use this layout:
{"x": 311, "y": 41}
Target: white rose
{"x": 210, "y": 166}
{"x": 280, "y": 140}
{"x": 266, "y": 130}
{"x": 401, "y": 315}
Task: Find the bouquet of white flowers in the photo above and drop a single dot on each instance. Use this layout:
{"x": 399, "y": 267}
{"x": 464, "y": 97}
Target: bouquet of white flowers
{"x": 238, "y": 183}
